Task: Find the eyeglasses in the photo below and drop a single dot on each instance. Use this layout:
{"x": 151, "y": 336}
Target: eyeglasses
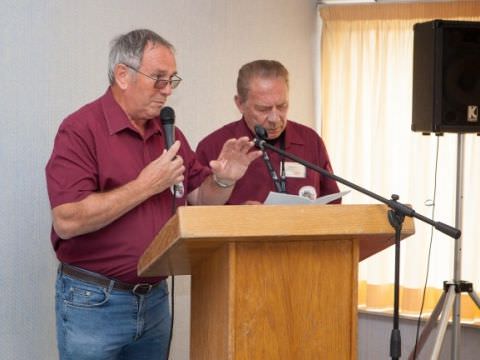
{"x": 174, "y": 81}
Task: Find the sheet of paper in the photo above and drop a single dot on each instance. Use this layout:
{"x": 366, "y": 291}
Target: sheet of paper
{"x": 275, "y": 198}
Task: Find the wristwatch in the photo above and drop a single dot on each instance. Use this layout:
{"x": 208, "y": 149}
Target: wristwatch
{"x": 221, "y": 183}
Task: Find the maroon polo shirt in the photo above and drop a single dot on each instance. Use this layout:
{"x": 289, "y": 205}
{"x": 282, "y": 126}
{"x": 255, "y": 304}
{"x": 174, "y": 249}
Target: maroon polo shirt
{"x": 255, "y": 185}
{"x": 96, "y": 150}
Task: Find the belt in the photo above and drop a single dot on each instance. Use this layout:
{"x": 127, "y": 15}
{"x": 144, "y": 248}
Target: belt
{"x": 97, "y": 279}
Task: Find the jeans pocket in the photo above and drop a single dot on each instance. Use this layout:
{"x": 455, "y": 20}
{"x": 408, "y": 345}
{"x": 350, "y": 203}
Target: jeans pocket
{"x": 80, "y": 294}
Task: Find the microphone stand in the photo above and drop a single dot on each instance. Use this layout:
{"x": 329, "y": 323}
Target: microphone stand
{"x": 396, "y": 215}
{"x": 271, "y": 170}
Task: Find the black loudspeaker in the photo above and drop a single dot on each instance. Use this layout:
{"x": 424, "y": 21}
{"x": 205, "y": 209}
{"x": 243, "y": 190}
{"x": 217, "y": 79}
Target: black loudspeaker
{"x": 446, "y": 77}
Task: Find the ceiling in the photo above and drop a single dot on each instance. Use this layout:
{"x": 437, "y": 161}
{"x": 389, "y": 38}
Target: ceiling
{"x": 340, "y": 2}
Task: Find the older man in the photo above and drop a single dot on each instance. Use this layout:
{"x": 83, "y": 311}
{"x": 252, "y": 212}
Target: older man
{"x": 112, "y": 187}
{"x": 262, "y": 99}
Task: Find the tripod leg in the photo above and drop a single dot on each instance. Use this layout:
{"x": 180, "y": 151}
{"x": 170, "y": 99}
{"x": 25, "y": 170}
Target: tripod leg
{"x": 447, "y": 308}
{"x": 475, "y": 298}
{"x": 429, "y": 326}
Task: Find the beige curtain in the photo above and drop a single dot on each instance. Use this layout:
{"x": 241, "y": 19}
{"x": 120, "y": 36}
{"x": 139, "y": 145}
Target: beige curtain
{"x": 366, "y": 99}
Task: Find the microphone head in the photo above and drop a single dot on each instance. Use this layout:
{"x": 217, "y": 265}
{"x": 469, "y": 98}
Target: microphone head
{"x": 167, "y": 116}
{"x": 260, "y": 132}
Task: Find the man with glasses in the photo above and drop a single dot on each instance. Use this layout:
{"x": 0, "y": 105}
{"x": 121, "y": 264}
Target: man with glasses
{"x": 262, "y": 99}
{"x": 110, "y": 184}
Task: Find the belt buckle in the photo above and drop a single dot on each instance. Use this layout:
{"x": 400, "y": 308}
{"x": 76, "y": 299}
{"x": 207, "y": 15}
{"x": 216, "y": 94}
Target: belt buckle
{"x": 142, "y": 289}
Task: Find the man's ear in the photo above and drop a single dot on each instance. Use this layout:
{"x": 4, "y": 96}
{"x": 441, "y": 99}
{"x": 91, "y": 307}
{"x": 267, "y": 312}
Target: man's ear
{"x": 121, "y": 76}
{"x": 239, "y": 103}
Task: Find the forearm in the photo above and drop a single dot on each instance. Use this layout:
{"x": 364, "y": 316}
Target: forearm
{"x": 100, "y": 209}
{"x": 212, "y": 192}
{"x": 97, "y": 210}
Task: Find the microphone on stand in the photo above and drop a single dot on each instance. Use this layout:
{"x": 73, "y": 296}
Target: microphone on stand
{"x": 260, "y": 132}
{"x": 260, "y": 139}
{"x": 167, "y": 117}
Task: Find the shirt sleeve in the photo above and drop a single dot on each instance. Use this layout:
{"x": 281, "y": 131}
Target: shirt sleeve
{"x": 328, "y": 185}
{"x": 208, "y": 149}
{"x": 197, "y": 172}
{"x": 71, "y": 171}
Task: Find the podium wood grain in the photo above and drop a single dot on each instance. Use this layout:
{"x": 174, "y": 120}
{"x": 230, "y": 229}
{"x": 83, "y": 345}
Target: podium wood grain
{"x": 271, "y": 282}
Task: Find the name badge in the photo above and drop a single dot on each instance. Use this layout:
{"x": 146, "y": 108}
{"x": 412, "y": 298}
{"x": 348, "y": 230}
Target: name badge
{"x": 295, "y": 170}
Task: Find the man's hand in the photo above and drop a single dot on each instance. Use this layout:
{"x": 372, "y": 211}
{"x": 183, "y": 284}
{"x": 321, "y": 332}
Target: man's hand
{"x": 234, "y": 159}
{"x": 163, "y": 172}
{"x": 231, "y": 165}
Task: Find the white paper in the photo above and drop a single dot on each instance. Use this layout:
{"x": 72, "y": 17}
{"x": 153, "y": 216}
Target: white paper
{"x": 276, "y": 198}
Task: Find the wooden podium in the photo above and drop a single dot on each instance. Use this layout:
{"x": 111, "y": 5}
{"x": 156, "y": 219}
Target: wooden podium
{"x": 271, "y": 281}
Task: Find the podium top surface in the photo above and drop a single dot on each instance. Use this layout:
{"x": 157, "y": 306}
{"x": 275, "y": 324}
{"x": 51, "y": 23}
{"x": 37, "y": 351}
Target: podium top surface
{"x": 196, "y": 231}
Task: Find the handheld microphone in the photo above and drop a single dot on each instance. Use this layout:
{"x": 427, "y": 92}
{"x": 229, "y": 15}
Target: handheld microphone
{"x": 167, "y": 117}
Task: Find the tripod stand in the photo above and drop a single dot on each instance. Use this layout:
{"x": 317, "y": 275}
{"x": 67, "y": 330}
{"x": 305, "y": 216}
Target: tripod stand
{"x": 452, "y": 290}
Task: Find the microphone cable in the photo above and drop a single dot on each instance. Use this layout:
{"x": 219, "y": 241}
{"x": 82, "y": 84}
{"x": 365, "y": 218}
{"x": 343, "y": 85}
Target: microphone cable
{"x": 174, "y": 190}
{"x": 280, "y": 183}
{"x": 167, "y": 118}
{"x": 433, "y": 205}
{"x": 172, "y": 282}
{"x": 172, "y": 297}
{"x": 271, "y": 170}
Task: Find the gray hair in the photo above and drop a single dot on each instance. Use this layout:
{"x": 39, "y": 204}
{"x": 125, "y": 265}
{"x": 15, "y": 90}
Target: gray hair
{"x": 129, "y": 48}
{"x": 266, "y": 69}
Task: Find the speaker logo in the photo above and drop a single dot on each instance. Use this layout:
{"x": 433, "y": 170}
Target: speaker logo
{"x": 472, "y": 114}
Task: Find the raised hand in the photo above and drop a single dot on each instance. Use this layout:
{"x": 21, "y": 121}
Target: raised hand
{"x": 234, "y": 159}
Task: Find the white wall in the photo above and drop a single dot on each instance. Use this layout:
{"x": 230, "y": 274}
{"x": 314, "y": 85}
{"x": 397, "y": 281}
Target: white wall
{"x": 53, "y": 59}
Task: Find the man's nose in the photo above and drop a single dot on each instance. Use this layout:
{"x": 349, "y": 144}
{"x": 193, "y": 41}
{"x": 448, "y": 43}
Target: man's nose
{"x": 167, "y": 90}
{"x": 273, "y": 116}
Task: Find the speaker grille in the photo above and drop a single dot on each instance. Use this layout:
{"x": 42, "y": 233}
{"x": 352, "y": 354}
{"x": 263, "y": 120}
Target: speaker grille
{"x": 446, "y": 77}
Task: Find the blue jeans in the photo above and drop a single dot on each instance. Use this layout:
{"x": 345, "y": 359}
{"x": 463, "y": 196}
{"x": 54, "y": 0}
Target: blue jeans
{"x": 97, "y": 323}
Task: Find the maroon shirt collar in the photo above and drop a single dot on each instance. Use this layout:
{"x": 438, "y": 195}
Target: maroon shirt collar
{"x": 117, "y": 120}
